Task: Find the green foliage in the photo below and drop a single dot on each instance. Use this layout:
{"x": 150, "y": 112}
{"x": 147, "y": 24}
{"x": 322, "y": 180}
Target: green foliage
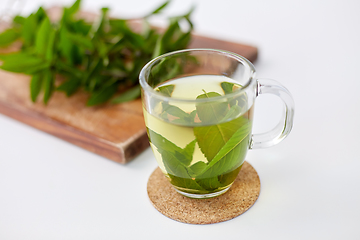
{"x": 8, "y": 36}
{"x": 209, "y": 112}
{"x": 166, "y": 90}
{"x": 212, "y": 139}
{"x": 35, "y": 86}
{"x": 129, "y": 95}
{"x": 224, "y": 145}
{"x": 182, "y": 117}
{"x": 102, "y": 58}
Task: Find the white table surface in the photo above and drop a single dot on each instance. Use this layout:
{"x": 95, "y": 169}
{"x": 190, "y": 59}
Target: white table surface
{"x": 50, "y": 189}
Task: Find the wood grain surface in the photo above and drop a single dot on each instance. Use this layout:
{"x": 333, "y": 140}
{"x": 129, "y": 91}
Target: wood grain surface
{"x": 116, "y": 132}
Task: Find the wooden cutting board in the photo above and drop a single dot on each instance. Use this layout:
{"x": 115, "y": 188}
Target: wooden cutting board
{"x": 116, "y": 132}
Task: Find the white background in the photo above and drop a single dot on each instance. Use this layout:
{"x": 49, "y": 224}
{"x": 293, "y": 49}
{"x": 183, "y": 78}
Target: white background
{"x": 50, "y": 189}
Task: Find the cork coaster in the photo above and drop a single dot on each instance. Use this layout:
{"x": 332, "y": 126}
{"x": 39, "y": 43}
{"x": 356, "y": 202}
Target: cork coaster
{"x": 237, "y": 200}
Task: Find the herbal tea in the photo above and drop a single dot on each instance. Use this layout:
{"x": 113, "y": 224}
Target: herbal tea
{"x": 198, "y": 108}
{"x": 200, "y": 147}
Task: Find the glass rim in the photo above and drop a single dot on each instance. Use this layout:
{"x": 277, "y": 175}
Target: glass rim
{"x": 145, "y": 71}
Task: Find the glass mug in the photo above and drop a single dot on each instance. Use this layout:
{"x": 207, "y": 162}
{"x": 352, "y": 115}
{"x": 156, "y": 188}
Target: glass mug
{"x": 198, "y": 107}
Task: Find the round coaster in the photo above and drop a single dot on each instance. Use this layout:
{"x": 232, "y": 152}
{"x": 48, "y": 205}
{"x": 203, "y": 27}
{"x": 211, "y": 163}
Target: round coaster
{"x": 237, "y": 200}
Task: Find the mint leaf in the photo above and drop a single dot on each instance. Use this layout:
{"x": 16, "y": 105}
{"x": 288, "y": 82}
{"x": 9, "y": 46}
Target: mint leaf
{"x": 174, "y": 110}
{"x": 228, "y": 178}
{"x": 210, "y": 184}
{"x": 35, "y": 86}
{"x": 239, "y": 137}
{"x": 178, "y": 173}
{"x": 102, "y": 95}
{"x": 49, "y": 52}
{"x": 197, "y": 168}
{"x": 212, "y": 138}
{"x": 42, "y": 37}
{"x": 192, "y": 116}
{"x": 159, "y": 9}
{"x": 166, "y": 90}
{"x": 80, "y": 40}
{"x": 227, "y": 87}
{"x": 48, "y": 82}
{"x": 23, "y": 63}
{"x": 40, "y": 14}
{"x": 183, "y": 40}
{"x": 211, "y": 112}
{"x": 70, "y": 86}
{"x": 29, "y": 30}
{"x": 240, "y": 100}
{"x": 173, "y": 165}
{"x": 130, "y": 94}
{"x": 8, "y": 36}
{"x": 74, "y": 8}
{"x": 14, "y": 56}
{"x": 69, "y": 71}
{"x": 166, "y": 69}
{"x": 67, "y": 49}
{"x": 181, "y": 117}
{"x": 93, "y": 68}
{"x": 98, "y": 27}
{"x": 231, "y": 154}
{"x": 176, "y": 160}
{"x": 162, "y": 143}
{"x": 188, "y": 152}
{"x": 159, "y": 48}
{"x": 233, "y": 112}
{"x": 183, "y": 156}
{"x": 187, "y": 184}
{"x": 19, "y": 20}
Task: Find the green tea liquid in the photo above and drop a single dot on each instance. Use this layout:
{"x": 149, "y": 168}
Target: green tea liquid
{"x": 200, "y": 147}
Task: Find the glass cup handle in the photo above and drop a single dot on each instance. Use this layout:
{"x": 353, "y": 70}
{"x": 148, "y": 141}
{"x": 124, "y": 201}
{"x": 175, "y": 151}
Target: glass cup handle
{"x": 283, "y": 128}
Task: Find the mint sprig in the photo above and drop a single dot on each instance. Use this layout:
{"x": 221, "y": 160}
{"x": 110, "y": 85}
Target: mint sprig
{"x": 103, "y": 58}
